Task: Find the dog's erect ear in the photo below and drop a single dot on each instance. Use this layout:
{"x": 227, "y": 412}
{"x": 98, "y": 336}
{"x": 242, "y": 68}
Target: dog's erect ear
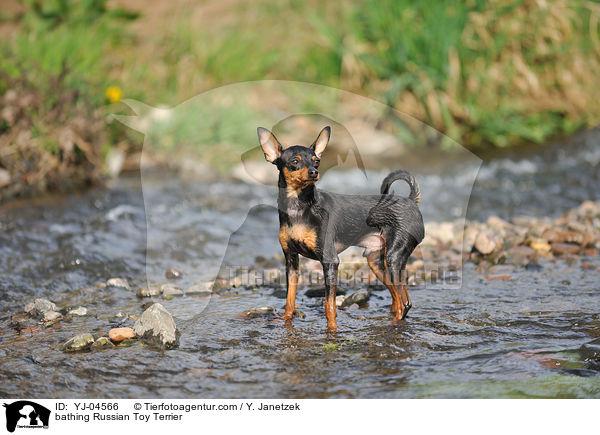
{"x": 321, "y": 142}
{"x": 269, "y": 144}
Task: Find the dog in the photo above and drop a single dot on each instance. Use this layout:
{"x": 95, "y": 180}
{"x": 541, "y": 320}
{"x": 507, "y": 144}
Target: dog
{"x": 319, "y": 225}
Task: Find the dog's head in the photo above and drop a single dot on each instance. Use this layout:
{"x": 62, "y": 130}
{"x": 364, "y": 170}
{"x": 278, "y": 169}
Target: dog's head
{"x": 298, "y": 164}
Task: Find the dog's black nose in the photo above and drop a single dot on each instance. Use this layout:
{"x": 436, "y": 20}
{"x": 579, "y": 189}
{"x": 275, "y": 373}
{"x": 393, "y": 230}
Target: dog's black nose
{"x": 313, "y": 173}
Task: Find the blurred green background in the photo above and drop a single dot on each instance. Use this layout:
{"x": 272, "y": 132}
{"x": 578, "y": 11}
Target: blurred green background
{"x": 487, "y": 74}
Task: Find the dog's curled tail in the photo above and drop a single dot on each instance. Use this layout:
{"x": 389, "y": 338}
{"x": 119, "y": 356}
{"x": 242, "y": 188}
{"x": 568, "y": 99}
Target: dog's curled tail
{"x": 415, "y": 191}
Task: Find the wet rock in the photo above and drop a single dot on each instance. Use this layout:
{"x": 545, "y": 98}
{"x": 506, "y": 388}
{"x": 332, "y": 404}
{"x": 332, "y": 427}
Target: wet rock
{"x": 204, "y": 288}
{"x": 126, "y": 343}
{"x": 501, "y": 269}
{"x": 172, "y": 273}
{"x": 498, "y": 277}
{"x": 589, "y": 209}
{"x": 279, "y": 293}
{"x": 487, "y": 242}
{"x": 523, "y": 221}
{"x": 498, "y": 224}
{"x": 520, "y": 255}
{"x": 49, "y": 316}
{"x": 39, "y": 307}
{"x": 258, "y": 312}
{"x": 319, "y": 292}
{"x": 148, "y": 292}
{"x": 469, "y": 236}
{"x": 119, "y": 319}
{"x": 591, "y": 351}
{"x": 79, "y": 311}
{"x": 118, "y": 283}
{"x": 120, "y": 334}
{"x": 299, "y": 314}
{"x": 556, "y": 235}
{"x": 102, "y": 342}
{"x": 157, "y": 327}
{"x": 540, "y": 245}
{"x": 578, "y": 227}
{"x": 534, "y": 267}
{"x": 170, "y": 290}
{"x": 565, "y": 249}
{"x": 442, "y": 232}
{"x": 359, "y": 297}
{"x": 80, "y": 342}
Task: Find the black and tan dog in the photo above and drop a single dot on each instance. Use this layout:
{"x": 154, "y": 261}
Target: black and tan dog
{"x": 319, "y": 225}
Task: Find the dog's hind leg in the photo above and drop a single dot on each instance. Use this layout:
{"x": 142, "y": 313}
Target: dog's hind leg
{"x": 398, "y": 249}
{"x": 377, "y": 264}
{"x": 396, "y": 266}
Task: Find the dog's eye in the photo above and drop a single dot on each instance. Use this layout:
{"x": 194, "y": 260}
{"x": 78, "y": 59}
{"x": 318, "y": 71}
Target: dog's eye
{"x": 294, "y": 162}
{"x": 317, "y": 163}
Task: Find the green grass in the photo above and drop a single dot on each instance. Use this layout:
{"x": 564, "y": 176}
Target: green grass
{"x": 486, "y": 74}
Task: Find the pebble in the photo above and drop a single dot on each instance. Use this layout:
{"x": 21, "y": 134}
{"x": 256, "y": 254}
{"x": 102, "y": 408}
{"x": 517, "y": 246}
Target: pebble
{"x": 540, "y": 245}
{"x": 319, "y": 292}
{"x": 172, "y": 273}
{"x": 565, "y": 249}
{"x": 39, "y": 307}
{"x": 157, "y": 327}
{"x": 556, "y": 235}
{"x": 279, "y": 293}
{"x": 80, "y": 342}
{"x": 148, "y": 292}
{"x": 170, "y": 290}
{"x": 79, "y": 311}
{"x": 500, "y": 277}
{"x": 102, "y": 342}
{"x": 591, "y": 351}
{"x": 119, "y": 283}
{"x": 120, "y": 334}
{"x": 299, "y": 314}
{"x": 204, "y": 288}
{"x": 51, "y": 315}
{"x": 359, "y": 297}
{"x": 532, "y": 266}
{"x": 487, "y": 242}
{"x": 257, "y": 312}
{"x": 520, "y": 255}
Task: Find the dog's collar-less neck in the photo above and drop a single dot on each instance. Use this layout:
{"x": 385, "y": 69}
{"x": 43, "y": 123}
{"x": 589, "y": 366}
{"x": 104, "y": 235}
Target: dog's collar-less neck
{"x": 286, "y": 198}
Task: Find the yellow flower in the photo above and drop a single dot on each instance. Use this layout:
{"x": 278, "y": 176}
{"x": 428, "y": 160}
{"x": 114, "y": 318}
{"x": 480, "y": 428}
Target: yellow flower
{"x": 113, "y": 94}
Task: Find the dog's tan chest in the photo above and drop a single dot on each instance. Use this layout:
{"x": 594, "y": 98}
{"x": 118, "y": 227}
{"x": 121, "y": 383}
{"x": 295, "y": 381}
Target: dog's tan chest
{"x": 299, "y": 233}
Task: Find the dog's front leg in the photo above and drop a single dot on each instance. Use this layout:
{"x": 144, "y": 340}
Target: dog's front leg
{"x": 330, "y": 271}
{"x": 291, "y": 271}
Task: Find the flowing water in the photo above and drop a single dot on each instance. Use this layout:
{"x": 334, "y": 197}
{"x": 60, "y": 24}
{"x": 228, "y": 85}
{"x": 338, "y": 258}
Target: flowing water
{"x": 526, "y": 337}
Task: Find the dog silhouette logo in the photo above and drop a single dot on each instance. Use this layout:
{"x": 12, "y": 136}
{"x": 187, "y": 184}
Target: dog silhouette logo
{"x": 26, "y": 414}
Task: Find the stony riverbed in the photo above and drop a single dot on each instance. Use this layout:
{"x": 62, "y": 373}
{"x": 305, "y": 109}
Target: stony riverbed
{"x": 515, "y": 312}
